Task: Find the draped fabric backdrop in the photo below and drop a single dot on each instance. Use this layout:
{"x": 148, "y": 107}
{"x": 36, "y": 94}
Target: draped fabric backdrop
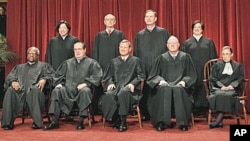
{"x": 32, "y": 22}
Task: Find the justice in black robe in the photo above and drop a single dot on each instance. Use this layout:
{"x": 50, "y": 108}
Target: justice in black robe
{"x": 121, "y": 74}
{"x": 106, "y": 47}
{"x": 59, "y": 50}
{"x": 164, "y": 97}
{"x": 148, "y": 46}
{"x": 225, "y": 101}
{"x": 70, "y": 74}
{"x": 29, "y": 94}
{"x": 201, "y": 51}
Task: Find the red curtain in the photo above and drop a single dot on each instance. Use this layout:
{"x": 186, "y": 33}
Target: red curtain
{"x": 32, "y": 22}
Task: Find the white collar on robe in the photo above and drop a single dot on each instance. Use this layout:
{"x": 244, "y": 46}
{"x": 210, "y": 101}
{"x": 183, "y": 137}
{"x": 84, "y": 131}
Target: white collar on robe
{"x": 174, "y": 55}
{"x": 124, "y": 58}
{"x": 197, "y": 37}
{"x": 228, "y": 69}
{"x": 31, "y": 63}
{"x": 151, "y": 28}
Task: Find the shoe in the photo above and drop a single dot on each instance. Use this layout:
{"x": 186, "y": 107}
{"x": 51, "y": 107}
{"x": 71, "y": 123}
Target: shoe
{"x": 80, "y": 126}
{"x": 212, "y": 125}
{"x": 7, "y": 127}
{"x": 123, "y": 127}
{"x": 145, "y": 118}
{"x": 160, "y": 127}
{"x": 34, "y": 126}
{"x": 184, "y": 128}
{"x": 116, "y": 124}
{"x": 51, "y": 126}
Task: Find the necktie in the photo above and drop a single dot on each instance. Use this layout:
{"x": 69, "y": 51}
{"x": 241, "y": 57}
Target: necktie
{"x": 123, "y": 59}
{"x": 109, "y": 32}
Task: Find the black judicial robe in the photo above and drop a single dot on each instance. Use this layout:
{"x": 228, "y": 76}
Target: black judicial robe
{"x": 121, "y": 74}
{"x": 59, "y": 50}
{"x": 200, "y": 51}
{"x": 163, "y": 97}
{"x": 28, "y": 76}
{"x": 149, "y": 45}
{"x": 224, "y": 101}
{"x": 70, "y": 74}
{"x": 106, "y": 48}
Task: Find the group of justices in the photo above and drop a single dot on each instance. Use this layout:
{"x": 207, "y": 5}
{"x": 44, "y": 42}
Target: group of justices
{"x": 171, "y": 72}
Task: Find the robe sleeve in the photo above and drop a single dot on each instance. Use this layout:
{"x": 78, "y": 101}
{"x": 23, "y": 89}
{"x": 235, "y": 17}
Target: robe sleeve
{"x": 96, "y": 74}
{"x": 12, "y": 76}
{"x": 154, "y": 78}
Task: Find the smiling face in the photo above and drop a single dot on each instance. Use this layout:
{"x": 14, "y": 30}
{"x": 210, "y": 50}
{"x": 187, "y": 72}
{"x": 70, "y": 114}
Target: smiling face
{"x": 173, "y": 44}
{"x": 150, "y": 18}
{"x": 124, "y": 48}
{"x": 197, "y": 29}
{"x": 63, "y": 29}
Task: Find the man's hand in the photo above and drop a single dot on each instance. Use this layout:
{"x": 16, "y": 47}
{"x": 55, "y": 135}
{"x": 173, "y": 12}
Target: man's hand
{"x": 131, "y": 87}
{"x": 15, "y": 85}
{"x": 228, "y": 88}
{"x": 80, "y": 86}
{"x": 111, "y": 87}
{"x": 59, "y": 86}
{"x": 182, "y": 83}
{"x": 41, "y": 84}
{"x": 163, "y": 83}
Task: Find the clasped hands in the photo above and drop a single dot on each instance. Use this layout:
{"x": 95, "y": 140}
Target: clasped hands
{"x": 228, "y": 88}
{"x": 165, "y": 83}
{"x": 79, "y": 87}
{"x": 130, "y": 86}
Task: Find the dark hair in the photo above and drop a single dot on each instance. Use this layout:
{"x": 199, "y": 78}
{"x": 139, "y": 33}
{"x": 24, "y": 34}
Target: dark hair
{"x": 150, "y": 10}
{"x": 228, "y": 47}
{"x": 62, "y": 22}
{"x": 198, "y": 21}
{"x": 81, "y": 43}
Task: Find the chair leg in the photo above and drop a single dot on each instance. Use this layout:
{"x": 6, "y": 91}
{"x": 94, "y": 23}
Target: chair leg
{"x": 209, "y": 116}
{"x": 192, "y": 119}
{"x": 245, "y": 113}
{"x": 89, "y": 118}
{"x": 23, "y": 117}
{"x": 103, "y": 122}
{"x": 139, "y": 115}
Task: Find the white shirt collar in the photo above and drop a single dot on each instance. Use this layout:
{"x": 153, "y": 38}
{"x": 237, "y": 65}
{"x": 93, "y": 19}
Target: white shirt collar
{"x": 110, "y": 30}
{"x": 197, "y": 37}
{"x": 150, "y": 28}
{"x": 124, "y": 57}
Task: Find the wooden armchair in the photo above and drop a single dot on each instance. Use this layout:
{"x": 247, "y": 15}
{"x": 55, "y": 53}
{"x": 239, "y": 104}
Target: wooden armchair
{"x": 242, "y": 95}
